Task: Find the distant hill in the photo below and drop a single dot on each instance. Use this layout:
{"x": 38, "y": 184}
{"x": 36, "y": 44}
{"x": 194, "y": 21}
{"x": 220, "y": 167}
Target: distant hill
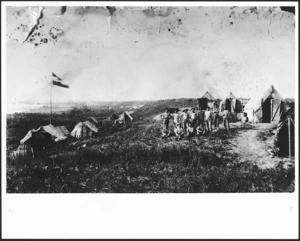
{"x": 155, "y": 107}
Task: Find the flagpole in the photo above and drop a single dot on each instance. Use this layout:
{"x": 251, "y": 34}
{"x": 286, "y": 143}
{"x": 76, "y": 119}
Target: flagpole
{"x": 51, "y": 102}
{"x": 290, "y": 147}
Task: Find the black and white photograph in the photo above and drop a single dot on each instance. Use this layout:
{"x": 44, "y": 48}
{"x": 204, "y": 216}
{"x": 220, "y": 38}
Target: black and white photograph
{"x": 150, "y": 99}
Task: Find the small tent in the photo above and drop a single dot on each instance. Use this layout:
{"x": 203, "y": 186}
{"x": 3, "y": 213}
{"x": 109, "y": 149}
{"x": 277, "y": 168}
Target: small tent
{"x": 84, "y": 130}
{"x": 232, "y": 104}
{"x": 266, "y": 108}
{"x": 22, "y": 150}
{"x": 55, "y": 133}
{"x": 124, "y": 117}
{"x": 207, "y": 100}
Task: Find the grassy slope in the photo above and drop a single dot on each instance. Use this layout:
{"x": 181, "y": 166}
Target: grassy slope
{"x": 139, "y": 160}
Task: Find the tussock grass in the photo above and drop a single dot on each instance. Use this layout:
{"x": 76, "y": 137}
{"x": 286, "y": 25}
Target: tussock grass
{"x": 139, "y": 161}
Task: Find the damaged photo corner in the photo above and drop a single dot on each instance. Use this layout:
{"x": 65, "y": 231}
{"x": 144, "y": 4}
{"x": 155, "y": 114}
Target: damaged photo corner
{"x": 108, "y": 101}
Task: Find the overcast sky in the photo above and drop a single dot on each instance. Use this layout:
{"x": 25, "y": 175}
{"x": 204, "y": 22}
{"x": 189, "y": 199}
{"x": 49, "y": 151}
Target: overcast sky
{"x": 148, "y": 54}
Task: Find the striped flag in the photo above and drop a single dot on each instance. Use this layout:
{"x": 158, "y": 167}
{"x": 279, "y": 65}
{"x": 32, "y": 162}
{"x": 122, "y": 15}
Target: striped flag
{"x": 57, "y": 81}
{"x": 59, "y": 84}
{"x": 55, "y": 76}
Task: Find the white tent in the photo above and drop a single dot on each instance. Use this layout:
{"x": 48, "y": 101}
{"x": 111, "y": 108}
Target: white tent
{"x": 84, "y": 130}
{"x": 207, "y": 100}
{"x": 125, "y": 116}
{"x": 266, "y": 107}
{"x": 56, "y": 133}
{"x": 63, "y": 129}
{"x": 232, "y": 104}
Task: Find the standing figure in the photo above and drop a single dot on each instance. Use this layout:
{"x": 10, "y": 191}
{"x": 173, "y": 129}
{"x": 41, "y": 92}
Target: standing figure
{"x": 176, "y": 118}
{"x": 184, "y": 116}
{"x": 200, "y": 117}
{"x": 193, "y": 119}
{"x": 178, "y": 132}
{"x": 216, "y": 116}
{"x": 226, "y": 116}
{"x": 208, "y": 118}
{"x": 245, "y": 119}
{"x": 166, "y": 119}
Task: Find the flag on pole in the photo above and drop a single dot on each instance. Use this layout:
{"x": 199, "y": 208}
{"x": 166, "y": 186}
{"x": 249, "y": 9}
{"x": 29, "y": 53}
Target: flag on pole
{"x": 54, "y": 75}
{"x": 58, "y": 83}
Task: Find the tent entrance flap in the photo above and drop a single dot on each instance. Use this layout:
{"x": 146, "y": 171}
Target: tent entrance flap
{"x": 228, "y": 105}
{"x": 202, "y": 103}
{"x": 266, "y": 111}
{"x": 275, "y": 107}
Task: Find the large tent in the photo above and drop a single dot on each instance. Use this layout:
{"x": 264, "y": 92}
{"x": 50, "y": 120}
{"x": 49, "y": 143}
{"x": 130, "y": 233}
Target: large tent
{"x": 63, "y": 129}
{"x": 84, "y": 130}
{"x": 207, "y": 100}
{"x": 56, "y": 133}
{"x": 267, "y": 107}
{"x": 232, "y": 104}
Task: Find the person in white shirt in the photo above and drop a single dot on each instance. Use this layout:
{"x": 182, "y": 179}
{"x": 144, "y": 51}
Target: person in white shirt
{"x": 193, "y": 117}
{"x": 245, "y": 118}
{"x": 184, "y": 116}
{"x": 226, "y": 116}
{"x": 207, "y": 118}
{"x": 176, "y": 118}
{"x": 166, "y": 119}
{"x": 216, "y": 116}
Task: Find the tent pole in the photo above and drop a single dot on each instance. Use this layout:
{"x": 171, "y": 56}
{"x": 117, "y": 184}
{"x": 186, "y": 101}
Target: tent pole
{"x": 272, "y": 104}
{"x": 50, "y": 103}
{"x": 290, "y": 148}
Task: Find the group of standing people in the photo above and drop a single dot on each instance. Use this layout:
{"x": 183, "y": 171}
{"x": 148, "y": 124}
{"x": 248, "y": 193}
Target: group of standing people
{"x": 194, "y": 123}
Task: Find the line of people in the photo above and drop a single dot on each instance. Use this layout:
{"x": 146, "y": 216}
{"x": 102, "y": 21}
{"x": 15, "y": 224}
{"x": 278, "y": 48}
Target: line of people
{"x": 194, "y": 123}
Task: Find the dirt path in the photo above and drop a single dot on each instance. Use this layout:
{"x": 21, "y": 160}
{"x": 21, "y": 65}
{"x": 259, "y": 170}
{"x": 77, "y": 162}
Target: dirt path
{"x": 250, "y": 149}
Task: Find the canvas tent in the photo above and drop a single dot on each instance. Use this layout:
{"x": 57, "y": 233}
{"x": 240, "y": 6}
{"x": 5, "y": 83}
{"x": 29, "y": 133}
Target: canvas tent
{"x": 84, "y": 130}
{"x": 266, "y": 108}
{"x": 124, "y": 117}
{"x": 63, "y": 129}
{"x": 285, "y": 134}
{"x": 232, "y": 104}
{"x": 22, "y": 150}
{"x": 56, "y": 133}
{"x": 207, "y": 100}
